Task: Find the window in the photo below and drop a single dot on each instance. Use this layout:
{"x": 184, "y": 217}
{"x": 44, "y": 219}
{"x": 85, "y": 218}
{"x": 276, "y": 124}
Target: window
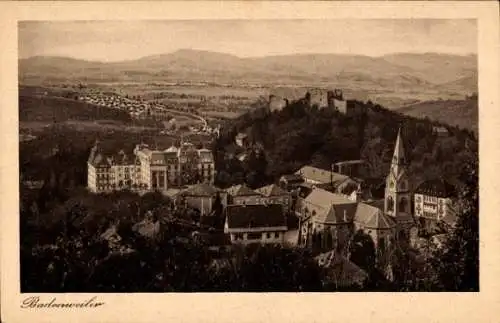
{"x": 276, "y": 235}
{"x": 390, "y": 204}
{"x": 254, "y": 236}
{"x": 402, "y": 204}
{"x": 268, "y": 235}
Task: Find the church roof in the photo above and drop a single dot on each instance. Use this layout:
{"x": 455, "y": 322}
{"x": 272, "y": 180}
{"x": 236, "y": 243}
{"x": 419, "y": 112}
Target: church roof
{"x": 399, "y": 156}
{"x": 321, "y": 197}
{"x": 371, "y": 217}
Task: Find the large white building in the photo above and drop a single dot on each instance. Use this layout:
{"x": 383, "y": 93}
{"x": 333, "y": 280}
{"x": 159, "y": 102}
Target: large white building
{"x": 434, "y": 201}
{"x": 149, "y": 169}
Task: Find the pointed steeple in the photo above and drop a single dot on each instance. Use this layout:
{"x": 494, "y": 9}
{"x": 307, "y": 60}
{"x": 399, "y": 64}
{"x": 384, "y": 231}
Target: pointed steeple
{"x": 399, "y": 157}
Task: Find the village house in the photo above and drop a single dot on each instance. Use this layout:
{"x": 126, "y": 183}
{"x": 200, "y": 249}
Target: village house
{"x": 243, "y": 195}
{"x": 201, "y": 197}
{"x": 315, "y": 176}
{"x": 290, "y": 182}
{"x": 275, "y": 195}
{"x": 247, "y": 224}
{"x": 327, "y": 179}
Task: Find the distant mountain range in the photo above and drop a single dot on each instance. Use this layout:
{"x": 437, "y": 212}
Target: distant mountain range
{"x": 441, "y": 74}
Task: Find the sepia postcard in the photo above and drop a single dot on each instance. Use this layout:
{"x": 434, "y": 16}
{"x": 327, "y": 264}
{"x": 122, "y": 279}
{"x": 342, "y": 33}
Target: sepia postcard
{"x": 249, "y": 161}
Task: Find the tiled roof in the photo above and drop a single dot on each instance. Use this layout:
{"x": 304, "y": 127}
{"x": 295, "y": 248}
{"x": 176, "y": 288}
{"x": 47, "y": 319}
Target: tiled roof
{"x": 241, "y": 190}
{"x": 202, "y": 189}
{"x": 371, "y": 217}
{"x": 272, "y": 190}
{"x": 379, "y": 203}
{"x": 255, "y": 216}
{"x": 315, "y": 174}
{"x": 339, "y": 213}
{"x": 436, "y": 187}
{"x": 324, "y": 198}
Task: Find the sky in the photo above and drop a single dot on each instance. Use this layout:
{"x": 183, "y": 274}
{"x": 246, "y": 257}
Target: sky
{"x": 125, "y": 40}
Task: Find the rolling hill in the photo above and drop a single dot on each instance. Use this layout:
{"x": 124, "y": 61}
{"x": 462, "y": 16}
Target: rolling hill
{"x": 462, "y": 113}
{"x": 398, "y": 72}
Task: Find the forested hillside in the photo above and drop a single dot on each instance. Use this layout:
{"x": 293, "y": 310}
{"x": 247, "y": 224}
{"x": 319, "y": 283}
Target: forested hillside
{"x": 299, "y": 135}
{"x": 463, "y": 113}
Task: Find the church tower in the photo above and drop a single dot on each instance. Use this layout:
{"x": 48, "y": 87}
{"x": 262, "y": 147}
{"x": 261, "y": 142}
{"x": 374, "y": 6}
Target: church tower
{"x": 397, "y": 192}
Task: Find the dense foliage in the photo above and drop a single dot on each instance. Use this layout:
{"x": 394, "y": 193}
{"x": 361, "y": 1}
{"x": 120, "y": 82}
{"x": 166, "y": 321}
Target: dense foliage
{"x": 63, "y": 250}
{"x": 299, "y": 135}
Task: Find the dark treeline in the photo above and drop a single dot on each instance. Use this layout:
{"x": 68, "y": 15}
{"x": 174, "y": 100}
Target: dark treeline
{"x": 57, "y": 109}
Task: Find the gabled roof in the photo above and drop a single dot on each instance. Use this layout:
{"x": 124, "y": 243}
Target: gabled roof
{"x": 399, "y": 156}
{"x": 324, "y": 198}
{"x": 340, "y": 213}
{"x": 241, "y": 190}
{"x": 202, "y": 189}
{"x": 315, "y": 174}
{"x": 438, "y": 187}
{"x": 255, "y": 216}
{"x": 271, "y": 190}
{"x": 371, "y": 217}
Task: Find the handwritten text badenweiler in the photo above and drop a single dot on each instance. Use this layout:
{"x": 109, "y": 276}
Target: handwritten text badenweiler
{"x": 35, "y": 302}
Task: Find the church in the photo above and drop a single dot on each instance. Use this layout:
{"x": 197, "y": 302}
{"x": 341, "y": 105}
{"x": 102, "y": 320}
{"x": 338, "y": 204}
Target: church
{"x": 329, "y": 220}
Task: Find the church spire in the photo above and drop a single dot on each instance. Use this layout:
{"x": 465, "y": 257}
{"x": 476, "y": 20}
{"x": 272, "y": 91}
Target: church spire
{"x": 399, "y": 157}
